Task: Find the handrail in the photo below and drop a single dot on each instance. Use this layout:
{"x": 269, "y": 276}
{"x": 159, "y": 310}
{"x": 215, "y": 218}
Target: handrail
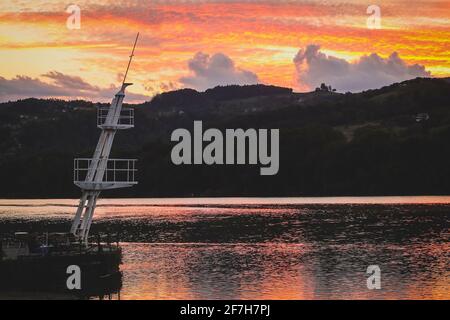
{"x": 115, "y": 170}
{"x": 126, "y": 117}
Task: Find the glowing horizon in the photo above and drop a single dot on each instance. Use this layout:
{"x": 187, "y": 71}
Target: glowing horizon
{"x": 260, "y": 38}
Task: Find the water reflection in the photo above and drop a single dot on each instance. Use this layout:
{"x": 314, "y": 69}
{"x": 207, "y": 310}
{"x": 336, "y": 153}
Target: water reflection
{"x": 268, "y": 251}
{"x": 102, "y": 289}
{"x": 274, "y": 271}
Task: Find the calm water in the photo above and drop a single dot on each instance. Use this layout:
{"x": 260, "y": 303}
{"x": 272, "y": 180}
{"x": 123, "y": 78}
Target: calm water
{"x": 280, "y": 248}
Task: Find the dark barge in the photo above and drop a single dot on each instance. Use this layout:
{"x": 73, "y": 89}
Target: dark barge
{"x": 30, "y": 263}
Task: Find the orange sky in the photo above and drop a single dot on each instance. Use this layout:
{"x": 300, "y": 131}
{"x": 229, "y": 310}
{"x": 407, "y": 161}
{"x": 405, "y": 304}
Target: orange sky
{"x": 261, "y": 37}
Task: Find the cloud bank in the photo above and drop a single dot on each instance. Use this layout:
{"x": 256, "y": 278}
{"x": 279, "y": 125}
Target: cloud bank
{"x": 218, "y": 69}
{"x": 59, "y": 86}
{"x": 314, "y": 67}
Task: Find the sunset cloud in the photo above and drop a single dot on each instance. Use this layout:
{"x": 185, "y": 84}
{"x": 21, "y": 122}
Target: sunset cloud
{"x": 259, "y": 37}
{"x": 368, "y": 72}
{"x": 61, "y": 86}
{"x": 218, "y": 69}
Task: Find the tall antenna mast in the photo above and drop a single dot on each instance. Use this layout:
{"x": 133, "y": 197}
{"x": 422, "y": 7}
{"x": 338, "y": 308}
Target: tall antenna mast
{"x": 131, "y": 58}
{"x": 100, "y": 173}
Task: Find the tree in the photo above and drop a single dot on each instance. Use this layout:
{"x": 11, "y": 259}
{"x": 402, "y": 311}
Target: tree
{"x": 324, "y": 88}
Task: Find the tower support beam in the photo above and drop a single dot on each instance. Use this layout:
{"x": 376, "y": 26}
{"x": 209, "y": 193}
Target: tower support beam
{"x": 98, "y": 166}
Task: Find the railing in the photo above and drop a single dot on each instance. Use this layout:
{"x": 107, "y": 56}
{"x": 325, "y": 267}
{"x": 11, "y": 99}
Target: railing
{"x": 116, "y": 171}
{"x": 126, "y": 118}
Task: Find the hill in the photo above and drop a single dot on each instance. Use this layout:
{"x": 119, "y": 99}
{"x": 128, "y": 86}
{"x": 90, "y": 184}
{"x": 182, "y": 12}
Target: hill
{"x": 367, "y": 143}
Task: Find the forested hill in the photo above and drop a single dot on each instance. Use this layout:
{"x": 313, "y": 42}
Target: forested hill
{"x": 390, "y": 141}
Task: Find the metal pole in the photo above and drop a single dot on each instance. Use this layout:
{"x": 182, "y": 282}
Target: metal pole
{"x": 131, "y": 57}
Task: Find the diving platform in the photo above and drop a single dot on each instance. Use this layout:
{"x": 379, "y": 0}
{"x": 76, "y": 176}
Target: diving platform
{"x": 99, "y": 173}
{"x": 118, "y": 173}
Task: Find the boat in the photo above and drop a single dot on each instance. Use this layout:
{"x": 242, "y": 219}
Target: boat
{"x": 44, "y": 262}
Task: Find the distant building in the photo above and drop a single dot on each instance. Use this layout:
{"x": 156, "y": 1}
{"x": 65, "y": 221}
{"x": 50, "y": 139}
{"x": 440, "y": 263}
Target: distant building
{"x": 420, "y": 117}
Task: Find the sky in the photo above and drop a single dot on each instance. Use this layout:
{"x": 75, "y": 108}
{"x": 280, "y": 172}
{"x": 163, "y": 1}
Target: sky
{"x": 47, "y": 49}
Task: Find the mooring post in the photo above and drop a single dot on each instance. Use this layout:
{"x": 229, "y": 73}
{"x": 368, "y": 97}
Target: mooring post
{"x": 118, "y": 237}
{"x": 99, "y": 246}
{"x": 108, "y": 240}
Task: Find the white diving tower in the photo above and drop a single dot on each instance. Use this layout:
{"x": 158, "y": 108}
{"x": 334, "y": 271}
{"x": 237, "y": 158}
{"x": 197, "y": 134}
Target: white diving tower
{"x": 100, "y": 172}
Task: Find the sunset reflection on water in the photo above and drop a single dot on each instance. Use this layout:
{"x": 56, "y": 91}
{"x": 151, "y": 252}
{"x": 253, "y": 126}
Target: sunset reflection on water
{"x": 283, "y": 249}
{"x": 274, "y": 271}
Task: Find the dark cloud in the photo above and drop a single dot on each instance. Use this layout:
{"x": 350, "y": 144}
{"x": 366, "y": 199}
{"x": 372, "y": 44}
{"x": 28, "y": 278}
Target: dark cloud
{"x": 70, "y": 82}
{"x": 218, "y": 69}
{"x": 61, "y": 86}
{"x": 25, "y": 87}
{"x": 369, "y": 72}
